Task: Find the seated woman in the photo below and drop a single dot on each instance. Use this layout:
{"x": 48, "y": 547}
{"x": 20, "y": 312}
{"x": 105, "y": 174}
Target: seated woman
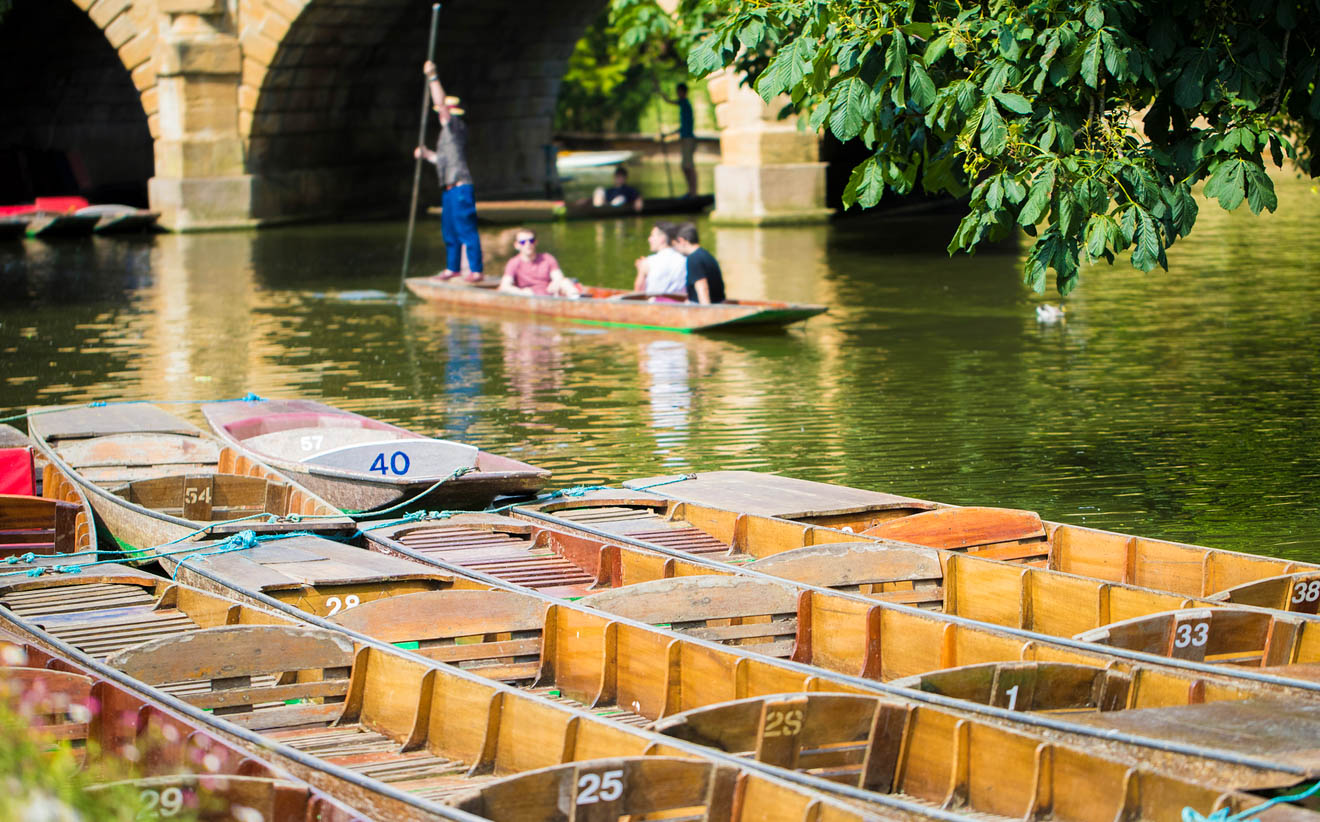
{"x": 533, "y": 273}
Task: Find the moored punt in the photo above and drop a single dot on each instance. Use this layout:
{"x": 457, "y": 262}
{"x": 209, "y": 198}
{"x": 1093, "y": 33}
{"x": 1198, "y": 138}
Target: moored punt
{"x": 44, "y": 528}
{"x": 119, "y": 219}
{"x": 162, "y": 755}
{"x": 392, "y": 734}
{"x": 154, "y": 478}
{"x": 361, "y": 464}
{"x": 1188, "y": 570}
{"x": 12, "y": 228}
{"x": 616, "y": 307}
{"x": 46, "y": 224}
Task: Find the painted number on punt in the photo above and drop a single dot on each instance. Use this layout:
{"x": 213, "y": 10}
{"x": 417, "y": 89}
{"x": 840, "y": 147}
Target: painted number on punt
{"x": 1012, "y": 693}
{"x": 192, "y": 495}
{"x": 398, "y": 464}
{"x": 311, "y": 442}
{"x": 1192, "y": 634}
{"x": 166, "y": 803}
{"x": 783, "y": 723}
{"x": 599, "y": 787}
{"x": 1306, "y": 592}
{"x": 335, "y": 604}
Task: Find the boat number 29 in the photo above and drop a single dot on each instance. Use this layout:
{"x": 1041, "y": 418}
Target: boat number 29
{"x": 335, "y": 604}
{"x": 166, "y": 802}
{"x": 599, "y": 787}
{"x": 1192, "y": 633}
{"x": 783, "y": 723}
{"x": 398, "y": 464}
{"x": 1306, "y": 592}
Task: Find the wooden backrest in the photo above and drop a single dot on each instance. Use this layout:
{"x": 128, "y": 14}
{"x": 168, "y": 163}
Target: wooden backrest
{"x": 1028, "y": 686}
{"x": 607, "y": 789}
{"x": 911, "y": 574}
{"x": 58, "y": 702}
{"x": 1215, "y": 635}
{"x": 998, "y": 533}
{"x": 1299, "y": 593}
{"x": 497, "y": 634}
{"x": 37, "y": 525}
{"x": 214, "y": 798}
{"x": 207, "y": 497}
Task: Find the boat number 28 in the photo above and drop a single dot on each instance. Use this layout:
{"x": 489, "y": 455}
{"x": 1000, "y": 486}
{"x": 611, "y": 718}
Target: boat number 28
{"x": 1306, "y": 592}
{"x": 398, "y": 464}
{"x": 1192, "y": 633}
{"x": 599, "y": 787}
{"x": 335, "y": 604}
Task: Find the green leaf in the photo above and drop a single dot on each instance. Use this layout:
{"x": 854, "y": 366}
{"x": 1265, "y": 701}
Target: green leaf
{"x": 1148, "y": 250}
{"x": 1015, "y": 103}
{"x": 848, "y": 108}
{"x": 1038, "y": 199}
{"x": 1097, "y": 235}
{"x": 1091, "y": 62}
{"x": 865, "y": 185}
{"x": 1227, "y": 184}
{"x": 752, "y": 34}
{"x": 702, "y": 60}
{"x": 937, "y": 48}
{"x": 921, "y": 88}
{"x": 1260, "y": 190}
{"x": 1189, "y": 90}
{"x": 1095, "y": 15}
{"x": 994, "y": 131}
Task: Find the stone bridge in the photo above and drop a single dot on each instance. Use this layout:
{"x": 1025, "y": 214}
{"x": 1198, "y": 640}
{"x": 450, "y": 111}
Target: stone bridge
{"x": 242, "y": 112}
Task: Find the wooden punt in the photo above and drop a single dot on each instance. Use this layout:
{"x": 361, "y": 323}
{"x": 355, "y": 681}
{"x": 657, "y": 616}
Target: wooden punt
{"x": 162, "y": 755}
{"x": 47, "y": 528}
{"x": 361, "y": 464}
{"x": 1188, "y": 570}
{"x": 12, "y": 228}
{"x": 49, "y": 224}
{"x": 516, "y": 212}
{"x": 617, "y": 308}
{"x": 391, "y": 734}
{"x": 153, "y": 478}
{"x": 120, "y": 219}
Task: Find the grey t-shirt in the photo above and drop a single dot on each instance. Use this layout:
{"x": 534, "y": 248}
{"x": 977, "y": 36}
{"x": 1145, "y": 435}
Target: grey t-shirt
{"x": 451, "y": 154}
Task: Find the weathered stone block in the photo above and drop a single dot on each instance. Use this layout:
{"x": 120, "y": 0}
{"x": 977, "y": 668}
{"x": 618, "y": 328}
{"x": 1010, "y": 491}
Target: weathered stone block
{"x": 199, "y": 158}
{"x": 137, "y": 52}
{"x": 758, "y": 195}
{"x": 212, "y": 55}
{"x": 199, "y": 205}
{"x": 768, "y": 145}
{"x": 103, "y": 12}
{"x": 150, "y": 100}
{"x": 191, "y": 6}
{"x": 120, "y": 31}
{"x": 260, "y": 48}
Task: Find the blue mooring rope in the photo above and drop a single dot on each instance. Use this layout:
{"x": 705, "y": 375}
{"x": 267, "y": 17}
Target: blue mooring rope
{"x": 1222, "y": 815}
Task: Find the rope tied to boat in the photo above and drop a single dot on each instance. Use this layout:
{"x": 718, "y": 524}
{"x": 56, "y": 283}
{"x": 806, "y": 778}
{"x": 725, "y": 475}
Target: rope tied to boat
{"x": 1222, "y": 815}
{"x": 679, "y": 478}
{"x": 575, "y": 491}
{"x": 455, "y": 474}
{"x": 242, "y": 541}
{"x": 249, "y": 397}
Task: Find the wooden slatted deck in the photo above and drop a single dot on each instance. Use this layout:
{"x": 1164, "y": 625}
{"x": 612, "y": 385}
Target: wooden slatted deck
{"x": 510, "y": 557}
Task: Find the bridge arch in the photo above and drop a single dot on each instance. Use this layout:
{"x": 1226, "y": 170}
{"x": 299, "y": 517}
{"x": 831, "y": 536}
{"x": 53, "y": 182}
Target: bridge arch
{"x": 330, "y": 90}
{"x": 78, "y": 85}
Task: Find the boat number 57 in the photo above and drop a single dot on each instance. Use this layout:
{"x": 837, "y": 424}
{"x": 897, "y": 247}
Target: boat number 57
{"x": 398, "y": 464}
{"x": 599, "y": 787}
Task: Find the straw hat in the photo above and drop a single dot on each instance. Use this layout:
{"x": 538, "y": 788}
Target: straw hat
{"x": 454, "y": 104}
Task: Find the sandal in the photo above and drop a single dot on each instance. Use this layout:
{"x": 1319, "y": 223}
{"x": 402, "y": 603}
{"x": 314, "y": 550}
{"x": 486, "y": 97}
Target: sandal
{"x": 445, "y": 275}
{"x": 474, "y": 277}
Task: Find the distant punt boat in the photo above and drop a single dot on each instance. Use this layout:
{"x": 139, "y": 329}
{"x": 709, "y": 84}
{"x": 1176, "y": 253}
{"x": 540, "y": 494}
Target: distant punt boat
{"x": 153, "y": 478}
{"x": 514, "y": 212}
{"x": 361, "y": 464}
{"x": 119, "y": 219}
{"x": 574, "y": 160}
{"x": 615, "y": 307}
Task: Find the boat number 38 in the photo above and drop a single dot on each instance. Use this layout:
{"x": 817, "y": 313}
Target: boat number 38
{"x": 398, "y": 464}
{"x": 1305, "y": 592}
{"x": 606, "y": 786}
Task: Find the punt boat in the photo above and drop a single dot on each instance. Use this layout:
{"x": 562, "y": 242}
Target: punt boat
{"x": 516, "y": 212}
{"x": 389, "y": 733}
{"x": 168, "y": 758}
{"x": 361, "y": 464}
{"x": 154, "y": 478}
{"x": 119, "y": 219}
{"x": 997, "y": 533}
{"x": 12, "y": 228}
{"x": 616, "y": 307}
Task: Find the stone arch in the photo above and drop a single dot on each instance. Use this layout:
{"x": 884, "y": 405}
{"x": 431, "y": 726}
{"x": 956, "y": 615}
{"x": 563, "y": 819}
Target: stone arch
{"x": 331, "y": 90}
{"x": 81, "y": 108}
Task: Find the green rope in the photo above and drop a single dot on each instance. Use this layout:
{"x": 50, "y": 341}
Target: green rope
{"x": 679, "y": 478}
{"x": 250, "y": 397}
{"x": 458, "y": 472}
{"x": 1222, "y": 815}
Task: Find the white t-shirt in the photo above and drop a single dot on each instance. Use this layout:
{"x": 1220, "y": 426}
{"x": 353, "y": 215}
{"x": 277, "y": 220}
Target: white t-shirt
{"x": 666, "y": 272}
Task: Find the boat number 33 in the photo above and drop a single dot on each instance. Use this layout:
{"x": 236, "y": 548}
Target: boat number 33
{"x": 1191, "y": 633}
{"x": 606, "y": 786}
{"x": 398, "y": 464}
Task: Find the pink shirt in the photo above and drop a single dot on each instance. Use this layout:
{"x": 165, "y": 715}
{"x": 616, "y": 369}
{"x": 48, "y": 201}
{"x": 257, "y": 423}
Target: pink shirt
{"x": 533, "y": 273}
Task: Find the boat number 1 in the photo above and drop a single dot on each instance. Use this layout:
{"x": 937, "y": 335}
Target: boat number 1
{"x": 399, "y": 464}
{"x": 1012, "y": 693}
{"x": 167, "y": 802}
{"x": 336, "y": 605}
{"x": 783, "y": 723}
{"x": 1306, "y": 592}
{"x": 1192, "y": 633}
{"x": 599, "y": 787}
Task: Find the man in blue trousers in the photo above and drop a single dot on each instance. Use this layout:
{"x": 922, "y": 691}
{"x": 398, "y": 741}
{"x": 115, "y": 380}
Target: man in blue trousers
{"x": 458, "y": 208}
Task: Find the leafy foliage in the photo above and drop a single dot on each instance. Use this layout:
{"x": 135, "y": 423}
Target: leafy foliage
{"x": 1030, "y": 107}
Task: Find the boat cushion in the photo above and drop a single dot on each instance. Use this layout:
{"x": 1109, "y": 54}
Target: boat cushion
{"x": 16, "y": 474}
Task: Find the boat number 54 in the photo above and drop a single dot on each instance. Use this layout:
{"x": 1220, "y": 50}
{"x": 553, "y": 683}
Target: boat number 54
{"x": 398, "y": 465}
{"x": 1192, "y": 633}
{"x": 599, "y": 787}
{"x": 1306, "y": 592}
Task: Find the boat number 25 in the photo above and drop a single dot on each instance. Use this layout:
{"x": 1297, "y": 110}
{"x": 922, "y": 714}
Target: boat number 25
{"x": 1192, "y": 633}
{"x": 599, "y": 787}
{"x": 398, "y": 465}
{"x": 335, "y": 604}
{"x": 783, "y": 723}
{"x": 1306, "y": 592}
{"x": 166, "y": 802}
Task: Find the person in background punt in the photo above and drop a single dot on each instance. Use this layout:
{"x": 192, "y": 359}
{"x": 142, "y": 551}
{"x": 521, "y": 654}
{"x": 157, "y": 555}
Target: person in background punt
{"x": 705, "y": 284}
{"x": 664, "y": 271}
{"x": 687, "y": 135}
{"x": 620, "y": 195}
{"x": 535, "y": 273}
{"x": 458, "y": 208}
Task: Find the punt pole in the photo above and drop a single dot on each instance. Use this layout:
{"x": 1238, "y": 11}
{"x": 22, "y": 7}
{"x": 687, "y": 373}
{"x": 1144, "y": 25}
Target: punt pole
{"x": 421, "y": 141}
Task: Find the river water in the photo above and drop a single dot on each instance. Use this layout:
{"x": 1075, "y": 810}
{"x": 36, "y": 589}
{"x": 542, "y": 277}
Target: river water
{"x": 1181, "y": 405}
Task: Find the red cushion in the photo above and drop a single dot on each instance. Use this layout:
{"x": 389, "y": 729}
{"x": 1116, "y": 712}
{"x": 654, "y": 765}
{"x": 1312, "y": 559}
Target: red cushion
{"x": 16, "y": 475}
{"x": 60, "y": 204}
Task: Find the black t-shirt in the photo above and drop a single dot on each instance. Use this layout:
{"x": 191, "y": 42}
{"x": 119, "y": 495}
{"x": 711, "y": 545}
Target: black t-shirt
{"x": 702, "y": 266}
{"x": 627, "y": 192}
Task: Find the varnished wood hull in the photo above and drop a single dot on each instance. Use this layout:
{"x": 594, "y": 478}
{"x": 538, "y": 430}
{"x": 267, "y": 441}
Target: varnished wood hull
{"x": 600, "y": 309}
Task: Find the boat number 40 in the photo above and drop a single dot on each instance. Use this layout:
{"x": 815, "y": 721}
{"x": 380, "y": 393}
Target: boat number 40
{"x": 1306, "y": 592}
{"x": 398, "y": 464}
{"x": 164, "y": 803}
{"x": 599, "y": 787}
{"x": 1192, "y": 633}
{"x": 335, "y": 604}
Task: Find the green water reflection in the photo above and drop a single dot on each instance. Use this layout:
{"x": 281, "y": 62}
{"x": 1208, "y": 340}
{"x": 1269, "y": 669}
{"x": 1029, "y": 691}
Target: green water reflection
{"x": 1180, "y": 405}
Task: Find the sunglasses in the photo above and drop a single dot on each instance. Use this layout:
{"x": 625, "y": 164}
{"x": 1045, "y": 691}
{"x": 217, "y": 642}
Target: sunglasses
{"x": 528, "y": 241}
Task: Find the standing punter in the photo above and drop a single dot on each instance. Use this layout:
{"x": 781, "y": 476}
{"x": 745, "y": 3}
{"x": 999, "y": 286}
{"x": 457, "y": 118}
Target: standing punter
{"x": 458, "y": 208}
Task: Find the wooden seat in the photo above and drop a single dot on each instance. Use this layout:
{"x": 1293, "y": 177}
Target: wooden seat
{"x": 1028, "y": 686}
{"x": 309, "y": 666}
{"x": 1215, "y": 635}
{"x": 909, "y": 574}
{"x": 206, "y": 497}
{"x": 36, "y": 525}
{"x": 57, "y": 702}
{"x": 636, "y": 788}
{"x": 214, "y": 798}
{"x": 995, "y": 533}
{"x": 1299, "y": 593}
{"x": 496, "y": 634}
{"x": 729, "y": 610}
